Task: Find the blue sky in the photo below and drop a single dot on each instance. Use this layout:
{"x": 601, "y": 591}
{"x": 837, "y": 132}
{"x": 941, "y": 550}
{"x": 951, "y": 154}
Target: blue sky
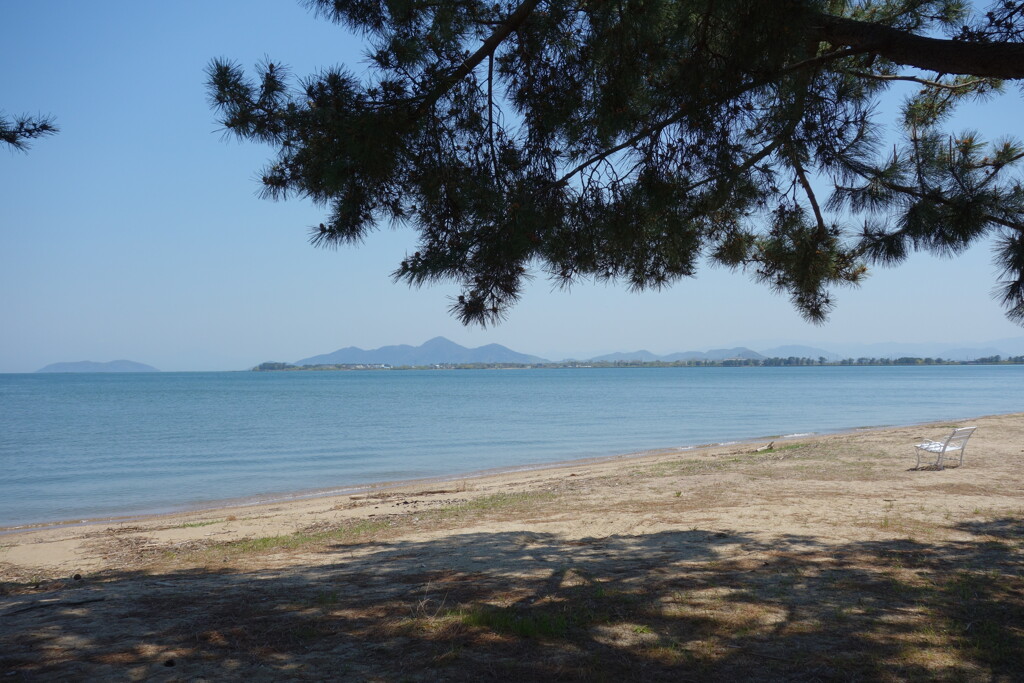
{"x": 137, "y": 231}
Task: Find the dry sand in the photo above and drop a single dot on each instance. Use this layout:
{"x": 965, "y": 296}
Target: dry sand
{"x": 821, "y": 558}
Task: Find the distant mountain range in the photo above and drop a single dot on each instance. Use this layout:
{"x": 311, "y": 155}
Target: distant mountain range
{"x": 1013, "y": 346}
{"x": 90, "y": 366}
{"x": 441, "y": 351}
{"x": 713, "y": 354}
{"x": 1004, "y": 348}
{"x": 437, "y": 351}
{"x": 1000, "y": 347}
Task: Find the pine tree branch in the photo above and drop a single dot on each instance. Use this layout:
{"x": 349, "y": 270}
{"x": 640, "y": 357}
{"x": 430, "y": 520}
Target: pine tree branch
{"x": 940, "y": 198}
{"x": 989, "y": 60}
{"x": 18, "y": 132}
{"x": 915, "y": 79}
{"x": 808, "y": 190}
{"x": 490, "y": 114}
{"x": 679, "y": 116}
{"x": 514, "y": 21}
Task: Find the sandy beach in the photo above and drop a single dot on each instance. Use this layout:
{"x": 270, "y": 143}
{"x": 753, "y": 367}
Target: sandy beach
{"x": 824, "y": 558}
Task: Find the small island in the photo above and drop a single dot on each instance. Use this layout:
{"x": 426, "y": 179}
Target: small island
{"x": 83, "y": 366}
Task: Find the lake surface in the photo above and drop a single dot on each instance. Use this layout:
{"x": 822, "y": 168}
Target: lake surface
{"x": 88, "y": 446}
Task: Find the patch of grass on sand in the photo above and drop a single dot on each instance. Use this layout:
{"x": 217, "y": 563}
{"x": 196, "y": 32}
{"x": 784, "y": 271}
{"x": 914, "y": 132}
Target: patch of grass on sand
{"x": 525, "y": 623}
{"x": 196, "y": 525}
{"x": 734, "y": 460}
{"x": 505, "y": 500}
{"x": 303, "y": 539}
{"x": 494, "y": 503}
{"x": 896, "y": 523}
{"x": 785, "y": 447}
{"x": 684, "y": 467}
{"x": 300, "y": 540}
{"x": 326, "y": 598}
{"x": 565, "y": 617}
{"x": 370, "y": 529}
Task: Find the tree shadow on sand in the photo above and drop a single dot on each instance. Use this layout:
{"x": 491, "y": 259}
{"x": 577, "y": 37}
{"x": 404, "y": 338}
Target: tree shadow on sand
{"x": 673, "y": 605}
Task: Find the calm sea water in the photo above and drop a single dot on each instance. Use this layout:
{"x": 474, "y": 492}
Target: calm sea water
{"x": 86, "y": 446}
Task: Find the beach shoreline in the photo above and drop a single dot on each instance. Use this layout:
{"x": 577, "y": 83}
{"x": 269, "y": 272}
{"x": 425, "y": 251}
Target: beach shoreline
{"x": 829, "y": 554}
{"x": 60, "y": 544}
{"x": 277, "y": 498}
{"x": 88, "y": 450}
{"x": 282, "y": 497}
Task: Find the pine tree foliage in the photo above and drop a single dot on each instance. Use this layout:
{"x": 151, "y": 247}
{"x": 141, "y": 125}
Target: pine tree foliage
{"x": 19, "y": 131}
{"x": 635, "y": 140}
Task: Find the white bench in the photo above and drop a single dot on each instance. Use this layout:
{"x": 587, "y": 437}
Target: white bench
{"x": 956, "y": 441}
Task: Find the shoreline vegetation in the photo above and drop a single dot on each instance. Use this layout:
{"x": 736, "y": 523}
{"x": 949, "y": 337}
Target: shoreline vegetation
{"x": 825, "y": 556}
{"x": 792, "y": 361}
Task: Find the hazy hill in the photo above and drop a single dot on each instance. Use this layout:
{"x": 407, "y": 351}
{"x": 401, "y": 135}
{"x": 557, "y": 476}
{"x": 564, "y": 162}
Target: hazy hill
{"x": 633, "y": 356}
{"x": 800, "y": 351}
{"x": 91, "y": 366}
{"x": 738, "y": 352}
{"x": 437, "y": 351}
{"x": 958, "y": 351}
{"x": 938, "y": 350}
{"x": 647, "y": 356}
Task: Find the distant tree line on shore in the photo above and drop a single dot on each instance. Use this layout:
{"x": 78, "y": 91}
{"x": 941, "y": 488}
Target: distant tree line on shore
{"x": 791, "y": 361}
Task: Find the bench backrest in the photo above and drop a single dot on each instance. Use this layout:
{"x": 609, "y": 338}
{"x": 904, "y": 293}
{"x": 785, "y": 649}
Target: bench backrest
{"x": 958, "y": 439}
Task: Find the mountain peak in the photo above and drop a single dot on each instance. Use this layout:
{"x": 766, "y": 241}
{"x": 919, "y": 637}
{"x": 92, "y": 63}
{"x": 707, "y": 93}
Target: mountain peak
{"x": 440, "y": 342}
{"x": 436, "y": 351}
